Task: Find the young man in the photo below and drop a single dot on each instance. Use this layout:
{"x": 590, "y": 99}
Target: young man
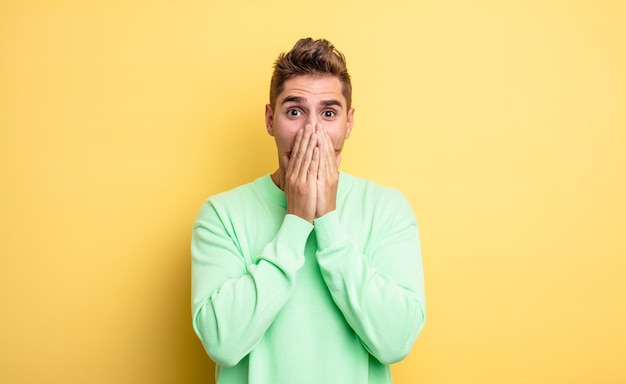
{"x": 307, "y": 275}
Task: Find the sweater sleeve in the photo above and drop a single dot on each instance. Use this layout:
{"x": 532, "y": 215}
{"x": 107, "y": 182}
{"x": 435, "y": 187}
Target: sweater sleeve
{"x": 233, "y": 303}
{"x": 381, "y": 294}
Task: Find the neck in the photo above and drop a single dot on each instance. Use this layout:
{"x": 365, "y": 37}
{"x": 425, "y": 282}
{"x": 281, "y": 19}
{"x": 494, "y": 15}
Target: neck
{"x": 278, "y": 177}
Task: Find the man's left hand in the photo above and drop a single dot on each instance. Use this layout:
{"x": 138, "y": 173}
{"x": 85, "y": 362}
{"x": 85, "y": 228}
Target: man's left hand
{"x": 327, "y": 174}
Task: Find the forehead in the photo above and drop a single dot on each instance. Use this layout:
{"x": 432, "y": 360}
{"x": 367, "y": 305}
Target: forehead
{"x": 313, "y": 88}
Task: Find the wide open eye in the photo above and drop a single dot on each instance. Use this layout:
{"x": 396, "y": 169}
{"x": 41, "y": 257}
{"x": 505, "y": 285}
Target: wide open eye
{"x": 329, "y": 113}
{"x": 294, "y": 112}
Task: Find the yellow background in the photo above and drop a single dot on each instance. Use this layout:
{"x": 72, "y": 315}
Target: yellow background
{"x": 503, "y": 122}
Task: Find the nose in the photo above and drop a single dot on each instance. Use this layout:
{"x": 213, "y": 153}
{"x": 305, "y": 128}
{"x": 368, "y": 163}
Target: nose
{"x": 311, "y": 120}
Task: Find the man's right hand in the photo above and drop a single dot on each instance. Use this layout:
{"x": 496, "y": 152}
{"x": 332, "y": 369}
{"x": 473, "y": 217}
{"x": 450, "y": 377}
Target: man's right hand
{"x": 301, "y": 175}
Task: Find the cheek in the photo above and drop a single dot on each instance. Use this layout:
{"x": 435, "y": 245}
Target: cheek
{"x": 285, "y": 139}
{"x": 337, "y": 137}
{"x": 337, "y": 131}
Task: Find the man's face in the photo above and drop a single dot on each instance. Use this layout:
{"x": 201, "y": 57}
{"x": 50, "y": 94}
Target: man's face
{"x": 309, "y": 100}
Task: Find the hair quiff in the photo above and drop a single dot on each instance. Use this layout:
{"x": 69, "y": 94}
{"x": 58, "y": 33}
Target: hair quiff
{"x": 310, "y": 57}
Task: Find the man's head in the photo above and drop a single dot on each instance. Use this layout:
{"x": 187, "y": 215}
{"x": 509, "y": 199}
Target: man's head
{"x": 310, "y": 87}
{"x": 310, "y": 57}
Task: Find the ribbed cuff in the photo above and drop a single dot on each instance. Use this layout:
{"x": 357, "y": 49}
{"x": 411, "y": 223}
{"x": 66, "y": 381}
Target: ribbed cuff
{"x": 328, "y": 230}
{"x": 294, "y": 232}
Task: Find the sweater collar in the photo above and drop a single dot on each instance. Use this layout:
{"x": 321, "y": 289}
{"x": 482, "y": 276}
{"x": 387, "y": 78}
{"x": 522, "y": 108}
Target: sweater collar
{"x": 277, "y": 196}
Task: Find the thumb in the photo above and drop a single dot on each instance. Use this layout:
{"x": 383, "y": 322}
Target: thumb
{"x": 286, "y": 161}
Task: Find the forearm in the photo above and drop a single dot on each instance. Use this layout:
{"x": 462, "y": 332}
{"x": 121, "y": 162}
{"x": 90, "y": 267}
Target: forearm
{"x": 381, "y": 297}
{"x": 234, "y": 304}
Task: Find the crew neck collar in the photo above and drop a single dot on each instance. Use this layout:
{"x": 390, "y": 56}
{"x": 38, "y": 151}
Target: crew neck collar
{"x": 277, "y": 196}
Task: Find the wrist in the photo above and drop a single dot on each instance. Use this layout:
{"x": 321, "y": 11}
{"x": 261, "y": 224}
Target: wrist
{"x": 324, "y": 212}
{"x": 303, "y": 216}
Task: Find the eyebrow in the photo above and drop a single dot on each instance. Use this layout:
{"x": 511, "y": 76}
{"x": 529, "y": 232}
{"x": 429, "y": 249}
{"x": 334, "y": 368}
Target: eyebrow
{"x": 295, "y": 99}
{"x": 298, "y": 99}
{"x": 329, "y": 103}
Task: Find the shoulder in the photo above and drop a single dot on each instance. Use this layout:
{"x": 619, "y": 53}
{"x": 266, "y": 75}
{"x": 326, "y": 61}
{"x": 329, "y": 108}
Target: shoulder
{"x": 370, "y": 190}
{"x": 234, "y": 195}
{"x": 229, "y": 203}
{"x": 373, "y": 201}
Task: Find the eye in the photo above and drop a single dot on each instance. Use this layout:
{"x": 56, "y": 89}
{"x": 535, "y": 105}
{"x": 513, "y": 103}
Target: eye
{"x": 329, "y": 113}
{"x": 294, "y": 112}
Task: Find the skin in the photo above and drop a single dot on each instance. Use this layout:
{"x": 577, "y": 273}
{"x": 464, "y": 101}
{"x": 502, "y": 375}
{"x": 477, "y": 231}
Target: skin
{"x": 310, "y": 123}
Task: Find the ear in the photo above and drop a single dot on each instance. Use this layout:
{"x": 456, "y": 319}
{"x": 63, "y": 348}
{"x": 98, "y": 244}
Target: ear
{"x": 269, "y": 119}
{"x": 349, "y": 122}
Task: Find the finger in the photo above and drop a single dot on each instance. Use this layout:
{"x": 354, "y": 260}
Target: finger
{"x": 315, "y": 163}
{"x": 334, "y": 158}
{"x": 294, "y": 150}
{"x": 329, "y": 152}
{"x": 321, "y": 149}
{"x": 308, "y": 156}
{"x": 286, "y": 161}
{"x": 298, "y": 156}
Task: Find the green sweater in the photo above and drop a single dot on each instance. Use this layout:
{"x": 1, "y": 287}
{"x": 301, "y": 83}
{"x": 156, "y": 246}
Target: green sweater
{"x": 276, "y": 299}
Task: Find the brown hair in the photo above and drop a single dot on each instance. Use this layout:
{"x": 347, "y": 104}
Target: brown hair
{"x": 310, "y": 57}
